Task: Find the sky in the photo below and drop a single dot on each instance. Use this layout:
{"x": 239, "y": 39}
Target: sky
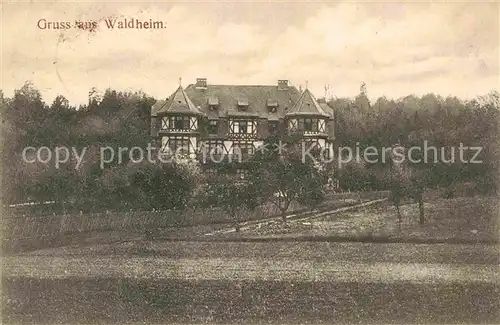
{"x": 397, "y": 48}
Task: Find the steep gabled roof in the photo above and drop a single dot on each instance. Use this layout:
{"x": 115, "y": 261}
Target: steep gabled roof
{"x": 179, "y": 102}
{"x": 327, "y": 109}
{"x": 257, "y": 97}
{"x": 156, "y": 106}
{"x": 307, "y": 105}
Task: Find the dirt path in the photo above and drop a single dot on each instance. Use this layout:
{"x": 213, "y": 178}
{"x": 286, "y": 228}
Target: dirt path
{"x": 293, "y": 218}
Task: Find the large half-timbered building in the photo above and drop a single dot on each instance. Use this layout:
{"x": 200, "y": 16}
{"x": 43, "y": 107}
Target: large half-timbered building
{"x": 238, "y": 118}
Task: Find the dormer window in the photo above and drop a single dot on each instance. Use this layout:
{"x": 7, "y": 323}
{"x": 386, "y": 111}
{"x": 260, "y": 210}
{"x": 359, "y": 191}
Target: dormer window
{"x": 242, "y": 104}
{"x": 272, "y": 106}
{"x": 213, "y": 103}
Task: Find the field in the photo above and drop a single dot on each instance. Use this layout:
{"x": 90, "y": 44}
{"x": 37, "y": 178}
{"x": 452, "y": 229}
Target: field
{"x": 271, "y": 274}
{"x": 122, "y": 301}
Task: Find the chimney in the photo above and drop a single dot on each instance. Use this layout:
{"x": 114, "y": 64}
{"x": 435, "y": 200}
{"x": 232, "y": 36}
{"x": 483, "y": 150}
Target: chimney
{"x": 282, "y": 84}
{"x": 201, "y": 83}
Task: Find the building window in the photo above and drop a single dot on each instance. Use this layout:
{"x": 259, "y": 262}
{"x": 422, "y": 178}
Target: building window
{"x": 243, "y": 126}
{"x": 180, "y": 122}
{"x": 308, "y": 125}
{"x": 242, "y": 173}
{"x": 272, "y": 127}
{"x": 328, "y": 152}
{"x": 243, "y": 149}
{"x": 311, "y": 143}
{"x": 213, "y": 150}
{"x": 212, "y": 127}
{"x": 211, "y": 172}
{"x": 175, "y": 145}
{"x": 177, "y": 123}
{"x": 215, "y": 146}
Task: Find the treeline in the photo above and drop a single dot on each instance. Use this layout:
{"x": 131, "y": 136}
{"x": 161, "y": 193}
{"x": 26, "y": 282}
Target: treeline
{"x": 122, "y": 119}
{"x": 409, "y": 121}
{"x": 115, "y": 119}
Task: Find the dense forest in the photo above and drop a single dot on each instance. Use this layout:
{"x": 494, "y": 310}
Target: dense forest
{"x": 411, "y": 121}
{"x": 121, "y": 119}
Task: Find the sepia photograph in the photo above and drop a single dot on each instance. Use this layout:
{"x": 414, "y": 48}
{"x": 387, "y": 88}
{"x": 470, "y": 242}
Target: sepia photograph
{"x": 249, "y": 162}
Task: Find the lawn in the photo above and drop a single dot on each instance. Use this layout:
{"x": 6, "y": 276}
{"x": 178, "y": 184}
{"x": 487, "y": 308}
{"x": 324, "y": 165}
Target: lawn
{"x": 464, "y": 218}
{"x": 34, "y": 232}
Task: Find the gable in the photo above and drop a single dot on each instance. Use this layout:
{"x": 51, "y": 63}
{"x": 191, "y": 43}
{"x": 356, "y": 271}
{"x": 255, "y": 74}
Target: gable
{"x": 308, "y": 105}
{"x": 179, "y": 102}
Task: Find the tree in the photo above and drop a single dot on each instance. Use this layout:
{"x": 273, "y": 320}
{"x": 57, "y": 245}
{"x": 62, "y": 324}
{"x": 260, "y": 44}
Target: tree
{"x": 406, "y": 182}
{"x": 232, "y": 196}
{"x": 312, "y": 191}
{"x": 161, "y": 187}
{"x": 282, "y": 177}
{"x": 361, "y": 101}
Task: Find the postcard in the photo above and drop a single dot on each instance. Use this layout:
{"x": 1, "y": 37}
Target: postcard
{"x": 250, "y": 162}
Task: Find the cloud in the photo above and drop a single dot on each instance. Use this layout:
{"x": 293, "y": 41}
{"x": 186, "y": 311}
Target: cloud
{"x": 425, "y": 44}
{"x": 396, "y": 48}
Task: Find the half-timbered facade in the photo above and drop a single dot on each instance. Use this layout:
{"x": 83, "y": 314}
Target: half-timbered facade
{"x": 310, "y": 119}
{"x": 230, "y": 120}
{"x": 179, "y": 120}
